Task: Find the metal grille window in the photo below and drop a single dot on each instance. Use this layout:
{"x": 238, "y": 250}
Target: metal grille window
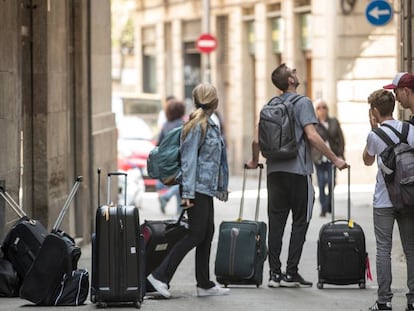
{"x": 223, "y": 46}
{"x": 305, "y": 32}
{"x": 149, "y": 72}
{"x": 250, "y": 37}
{"x": 277, "y": 34}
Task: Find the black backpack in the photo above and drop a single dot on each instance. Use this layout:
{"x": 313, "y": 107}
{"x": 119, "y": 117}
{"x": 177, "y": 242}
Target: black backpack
{"x": 398, "y": 167}
{"x": 277, "y": 138}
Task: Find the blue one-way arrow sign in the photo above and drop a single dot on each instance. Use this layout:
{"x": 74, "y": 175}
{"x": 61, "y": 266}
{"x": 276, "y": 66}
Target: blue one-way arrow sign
{"x": 379, "y": 12}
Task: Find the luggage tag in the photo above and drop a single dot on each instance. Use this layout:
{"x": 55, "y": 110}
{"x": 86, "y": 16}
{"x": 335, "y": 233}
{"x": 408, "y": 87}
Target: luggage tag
{"x": 105, "y": 212}
{"x": 350, "y": 223}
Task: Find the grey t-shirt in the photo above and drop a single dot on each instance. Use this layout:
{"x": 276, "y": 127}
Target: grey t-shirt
{"x": 302, "y": 164}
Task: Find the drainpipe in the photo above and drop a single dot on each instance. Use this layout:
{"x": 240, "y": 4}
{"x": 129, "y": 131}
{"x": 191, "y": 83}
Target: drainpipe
{"x": 89, "y": 113}
{"x": 2, "y": 210}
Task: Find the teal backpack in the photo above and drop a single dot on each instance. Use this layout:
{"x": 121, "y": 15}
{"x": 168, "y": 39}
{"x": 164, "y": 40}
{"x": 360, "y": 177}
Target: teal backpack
{"x": 163, "y": 162}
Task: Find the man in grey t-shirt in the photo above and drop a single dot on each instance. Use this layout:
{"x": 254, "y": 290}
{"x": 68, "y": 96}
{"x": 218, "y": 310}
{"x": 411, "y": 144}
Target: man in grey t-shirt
{"x": 289, "y": 184}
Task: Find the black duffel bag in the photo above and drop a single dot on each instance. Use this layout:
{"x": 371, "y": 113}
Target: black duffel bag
{"x": 73, "y": 290}
{"x": 9, "y": 280}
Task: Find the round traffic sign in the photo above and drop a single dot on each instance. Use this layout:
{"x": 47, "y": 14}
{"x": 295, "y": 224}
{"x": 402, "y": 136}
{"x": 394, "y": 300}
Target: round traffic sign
{"x": 379, "y": 12}
{"x": 206, "y": 43}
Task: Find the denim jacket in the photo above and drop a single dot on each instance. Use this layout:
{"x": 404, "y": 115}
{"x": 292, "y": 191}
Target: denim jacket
{"x": 204, "y": 166}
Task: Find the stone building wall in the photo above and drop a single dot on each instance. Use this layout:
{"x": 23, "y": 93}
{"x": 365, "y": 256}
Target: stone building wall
{"x": 55, "y": 107}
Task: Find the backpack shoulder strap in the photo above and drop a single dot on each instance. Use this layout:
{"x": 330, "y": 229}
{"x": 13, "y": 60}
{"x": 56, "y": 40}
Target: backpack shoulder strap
{"x": 405, "y": 130}
{"x": 386, "y": 139}
{"x": 403, "y": 135}
{"x": 295, "y": 98}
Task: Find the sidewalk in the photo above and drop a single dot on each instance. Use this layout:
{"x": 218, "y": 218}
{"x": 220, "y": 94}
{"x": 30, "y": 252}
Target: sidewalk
{"x": 264, "y": 298}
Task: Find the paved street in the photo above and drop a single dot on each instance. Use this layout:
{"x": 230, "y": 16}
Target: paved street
{"x": 330, "y": 298}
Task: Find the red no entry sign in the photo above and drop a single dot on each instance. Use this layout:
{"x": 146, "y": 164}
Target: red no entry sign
{"x": 206, "y": 43}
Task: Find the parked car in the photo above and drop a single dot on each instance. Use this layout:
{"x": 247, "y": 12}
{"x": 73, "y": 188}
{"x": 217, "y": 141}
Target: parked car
{"x": 135, "y": 141}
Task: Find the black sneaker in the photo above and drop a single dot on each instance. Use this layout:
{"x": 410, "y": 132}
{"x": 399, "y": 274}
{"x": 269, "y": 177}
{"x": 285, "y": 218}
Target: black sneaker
{"x": 381, "y": 306}
{"x": 274, "y": 279}
{"x": 410, "y": 307}
{"x": 295, "y": 280}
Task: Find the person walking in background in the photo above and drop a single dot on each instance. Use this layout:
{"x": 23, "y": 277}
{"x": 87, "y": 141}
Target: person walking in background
{"x": 162, "y": 115}
{"x": 330, "y": 131}
{"x": 175, "y": 111}
{"x": 403, "y": 86}
{"x": 205, "y": 175}
{"x": 283, "y": 197}
{"x": 380, "y": 113}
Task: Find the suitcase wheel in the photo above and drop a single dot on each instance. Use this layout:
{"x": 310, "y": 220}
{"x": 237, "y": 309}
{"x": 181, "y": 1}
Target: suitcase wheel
{"x": 362, "y": 285}
{"x": 137, "y": 304}
{"x": 319, "y": 285}
{"x": 257, "y": 285}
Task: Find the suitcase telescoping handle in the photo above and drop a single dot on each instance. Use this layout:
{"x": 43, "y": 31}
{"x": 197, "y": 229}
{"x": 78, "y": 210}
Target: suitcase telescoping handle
{"x": 256, "y": 216}
{"x": 333, "y": 196}
{"x": 12, "y": 203}
{"x": 68, "y": 202}
{"x": 109, "y": 186}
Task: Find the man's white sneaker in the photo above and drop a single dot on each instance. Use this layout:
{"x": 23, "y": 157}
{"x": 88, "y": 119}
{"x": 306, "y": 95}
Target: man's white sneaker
{"x": 214, "y": 291}
{"x": 159, "y": 286}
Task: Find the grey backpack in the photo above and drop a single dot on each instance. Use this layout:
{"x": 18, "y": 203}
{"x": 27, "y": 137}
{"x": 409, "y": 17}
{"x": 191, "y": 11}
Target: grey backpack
{"x": 277, "y": 138}
{"x": 398, "y": 167}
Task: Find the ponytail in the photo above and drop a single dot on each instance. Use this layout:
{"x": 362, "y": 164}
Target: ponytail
{"x": 206, "y": 101}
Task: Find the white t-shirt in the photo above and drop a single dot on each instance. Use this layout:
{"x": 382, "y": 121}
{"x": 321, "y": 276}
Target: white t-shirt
{"x": 326, "y": 125}
{"x": 162, "y": 118}
{"x": 375, "y": 146}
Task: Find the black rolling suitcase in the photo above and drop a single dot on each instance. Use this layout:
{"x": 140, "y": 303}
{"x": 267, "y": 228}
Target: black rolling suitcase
{"x": 117, "y": 254}
{"x": 53, "y": 266}
{"x": 241, "y": 249}
{"x": 160, "y": 236}
{"x": 22, "y": 243}
{"x": 342, "y": 257}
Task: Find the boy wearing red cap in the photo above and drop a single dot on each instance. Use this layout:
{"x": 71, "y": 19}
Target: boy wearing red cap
{"x": 385, "y": 214}
{"x": 403, "y": 86}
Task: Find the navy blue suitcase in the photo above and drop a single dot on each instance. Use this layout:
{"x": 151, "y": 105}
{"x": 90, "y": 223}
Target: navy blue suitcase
{"x": 22, "y": 242}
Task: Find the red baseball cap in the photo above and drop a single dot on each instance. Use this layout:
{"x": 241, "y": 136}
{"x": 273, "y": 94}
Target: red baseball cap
{"x": 401, "y": 79}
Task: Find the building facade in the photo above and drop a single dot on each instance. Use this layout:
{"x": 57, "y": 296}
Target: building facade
{"x": 55, "y": 107}
{"x": 407, "y": 39}
{"x": 338, "y": 54}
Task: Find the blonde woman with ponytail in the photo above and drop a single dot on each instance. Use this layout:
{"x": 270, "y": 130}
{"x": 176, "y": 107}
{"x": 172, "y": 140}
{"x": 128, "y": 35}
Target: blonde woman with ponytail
{"x": 205, "y": 175}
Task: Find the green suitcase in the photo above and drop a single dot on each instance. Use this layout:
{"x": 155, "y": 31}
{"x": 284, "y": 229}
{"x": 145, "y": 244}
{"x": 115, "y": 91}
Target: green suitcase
{"x": 242, "y": 250}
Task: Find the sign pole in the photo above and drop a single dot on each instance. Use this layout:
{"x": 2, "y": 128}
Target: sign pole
{"x": 205, "y": 57}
